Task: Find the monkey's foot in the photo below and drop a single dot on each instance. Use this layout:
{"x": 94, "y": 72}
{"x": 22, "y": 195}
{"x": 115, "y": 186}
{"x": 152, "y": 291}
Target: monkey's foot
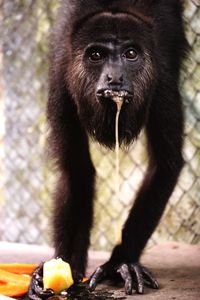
{"x": 134, "y": 275}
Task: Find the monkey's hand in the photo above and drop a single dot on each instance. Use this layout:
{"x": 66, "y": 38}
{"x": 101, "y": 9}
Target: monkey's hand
{"x": 134, "y": 275}
{"x": 36, "y": 290}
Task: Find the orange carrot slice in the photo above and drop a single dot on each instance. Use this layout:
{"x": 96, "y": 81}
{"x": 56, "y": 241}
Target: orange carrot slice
{"x": 13, "y": 290}
{"x": 6, "y": 277}
{"x": 19, "y": 268}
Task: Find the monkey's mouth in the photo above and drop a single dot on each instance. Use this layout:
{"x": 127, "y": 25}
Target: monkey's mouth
{"x": 108, "y": 94}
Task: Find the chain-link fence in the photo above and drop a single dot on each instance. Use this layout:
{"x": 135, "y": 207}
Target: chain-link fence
{"x": 26, "y": 180}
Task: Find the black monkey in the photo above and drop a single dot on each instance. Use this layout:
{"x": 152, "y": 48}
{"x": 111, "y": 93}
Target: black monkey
{"x": 132, "y": 47}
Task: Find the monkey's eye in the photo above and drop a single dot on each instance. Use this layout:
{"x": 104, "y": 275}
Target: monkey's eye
{"x": 96, "y": 56}
{"x": 130, "y": 54}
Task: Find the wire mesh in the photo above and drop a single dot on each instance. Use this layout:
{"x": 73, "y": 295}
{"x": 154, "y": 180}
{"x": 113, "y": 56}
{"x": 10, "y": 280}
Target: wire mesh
{"x": 26, "y": 183}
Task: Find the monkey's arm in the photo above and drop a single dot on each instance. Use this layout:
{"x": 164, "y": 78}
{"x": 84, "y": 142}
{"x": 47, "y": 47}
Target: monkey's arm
{"x": 73, "y": 207}
{"x": 164, "y": 133}
{"x": 72, "y": 211}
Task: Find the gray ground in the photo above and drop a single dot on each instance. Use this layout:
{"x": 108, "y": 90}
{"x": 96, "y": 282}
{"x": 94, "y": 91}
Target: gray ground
{"x": 175, "y": 265}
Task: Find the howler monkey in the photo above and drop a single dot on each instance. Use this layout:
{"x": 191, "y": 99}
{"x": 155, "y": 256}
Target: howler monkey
{"x": 132, "y": 47}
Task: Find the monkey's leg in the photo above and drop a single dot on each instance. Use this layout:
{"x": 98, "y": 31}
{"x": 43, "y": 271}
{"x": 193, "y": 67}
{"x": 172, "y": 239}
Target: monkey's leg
{"x": 164, "y": 133}
{"x": 73, "y": 209}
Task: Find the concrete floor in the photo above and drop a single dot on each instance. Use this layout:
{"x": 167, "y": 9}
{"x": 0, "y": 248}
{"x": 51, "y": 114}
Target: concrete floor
{"x": 175, "y": 265}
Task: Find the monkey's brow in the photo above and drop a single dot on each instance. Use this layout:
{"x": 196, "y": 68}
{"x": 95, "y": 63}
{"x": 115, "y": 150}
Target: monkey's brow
{"x": 132, "y": 13}
{"x": 107, "y": 40}
{"x": 128, "y": 12}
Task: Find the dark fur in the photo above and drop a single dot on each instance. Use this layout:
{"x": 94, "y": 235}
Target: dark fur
{"x": 74, "y": 110}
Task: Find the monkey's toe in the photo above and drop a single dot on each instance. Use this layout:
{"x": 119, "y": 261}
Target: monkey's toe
{"x": 134, "y": 275}
{"x": 140, "y": 276}
{"x": 99, "y": 275}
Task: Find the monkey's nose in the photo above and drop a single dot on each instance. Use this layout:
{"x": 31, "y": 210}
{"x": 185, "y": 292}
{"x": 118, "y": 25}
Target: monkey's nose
{"x": 115, "y": 79}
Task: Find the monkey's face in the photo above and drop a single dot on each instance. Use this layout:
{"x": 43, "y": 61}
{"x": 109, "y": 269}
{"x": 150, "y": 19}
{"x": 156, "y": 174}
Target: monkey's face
{"x": 112, "y": 54}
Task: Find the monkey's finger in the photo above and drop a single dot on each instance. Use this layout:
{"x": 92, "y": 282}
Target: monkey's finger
{"x": 150, "y": 278}
{"x": 33, "y": 296}
{"x": 125, "y": 274}
{"x": 96, "y": 277}
{"x": 139, "y": 280}
{"x": 36, "y": 290}
{"x": 37, "y": 293}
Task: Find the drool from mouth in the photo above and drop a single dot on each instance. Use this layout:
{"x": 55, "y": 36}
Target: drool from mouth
{"x": 119, "y": 100}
